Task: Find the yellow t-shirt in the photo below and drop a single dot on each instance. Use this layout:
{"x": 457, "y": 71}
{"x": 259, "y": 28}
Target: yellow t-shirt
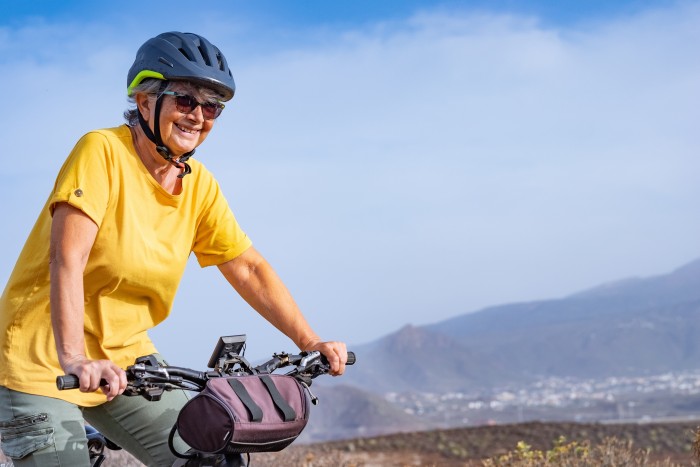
{"x": 144, "y": 238}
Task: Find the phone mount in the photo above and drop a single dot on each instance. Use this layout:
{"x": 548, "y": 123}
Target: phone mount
{"x": 229, "y": 349}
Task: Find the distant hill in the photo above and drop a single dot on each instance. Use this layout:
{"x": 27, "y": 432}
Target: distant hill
{"x": 630, "y": 327}
{"x": 419, "y": 359}
{"x": 349, "y": 412}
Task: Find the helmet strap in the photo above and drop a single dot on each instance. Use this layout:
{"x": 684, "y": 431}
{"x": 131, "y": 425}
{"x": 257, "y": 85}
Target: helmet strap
{"x": 156, "y": 139}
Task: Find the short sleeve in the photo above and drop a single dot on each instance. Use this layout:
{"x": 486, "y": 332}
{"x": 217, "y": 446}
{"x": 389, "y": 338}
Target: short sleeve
{"x": 84, "y": 180}
{"x": 219, "y": 238}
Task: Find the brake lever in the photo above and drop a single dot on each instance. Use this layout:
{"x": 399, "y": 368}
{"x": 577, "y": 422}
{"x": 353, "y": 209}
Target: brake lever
{"x": 310, "y": 357}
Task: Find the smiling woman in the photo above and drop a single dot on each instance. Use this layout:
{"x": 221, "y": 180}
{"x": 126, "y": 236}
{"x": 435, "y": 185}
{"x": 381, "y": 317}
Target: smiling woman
{"x": 106, "y": 257}
{"x": 186, "y": 61}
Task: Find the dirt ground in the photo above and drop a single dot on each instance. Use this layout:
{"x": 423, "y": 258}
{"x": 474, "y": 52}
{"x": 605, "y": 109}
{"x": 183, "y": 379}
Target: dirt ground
{"x": 467, "y": 447}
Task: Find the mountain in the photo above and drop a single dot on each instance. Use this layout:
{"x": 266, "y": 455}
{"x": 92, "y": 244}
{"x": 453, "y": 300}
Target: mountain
{"x": 416, "y": 358}
{"x": 630, "y": 327}
{"x": 349, "y": 412}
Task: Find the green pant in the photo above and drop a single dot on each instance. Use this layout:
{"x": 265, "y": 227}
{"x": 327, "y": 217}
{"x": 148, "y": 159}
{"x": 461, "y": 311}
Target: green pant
{"x": 38, "y": 431}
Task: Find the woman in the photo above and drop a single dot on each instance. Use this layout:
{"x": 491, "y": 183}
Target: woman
{"x": 105, "y": 258}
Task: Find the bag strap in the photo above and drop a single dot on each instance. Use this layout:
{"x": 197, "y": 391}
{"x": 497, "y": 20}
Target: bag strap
{"x": 287, "y": 410}
{"x": 256, "y": 413}
{"x": 171, "y": 445}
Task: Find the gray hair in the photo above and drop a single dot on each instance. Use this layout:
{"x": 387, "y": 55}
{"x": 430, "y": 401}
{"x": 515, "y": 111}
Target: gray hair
{"x": 151, "y": 86}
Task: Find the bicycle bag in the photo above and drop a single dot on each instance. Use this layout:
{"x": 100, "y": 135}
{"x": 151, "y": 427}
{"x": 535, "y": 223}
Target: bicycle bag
{"x": 256, "y": 413}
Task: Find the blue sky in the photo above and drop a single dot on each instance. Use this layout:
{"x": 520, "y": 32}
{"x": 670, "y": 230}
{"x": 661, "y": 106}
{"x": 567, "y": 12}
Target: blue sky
{"x": 397, "y": 162}
{"x": 312, "y": 13}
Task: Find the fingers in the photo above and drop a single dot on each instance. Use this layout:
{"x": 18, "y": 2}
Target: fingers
{"x": 343, "y": 358}
{"x": 116, "y": 381}
{"x": 93, "y": 374}
{"x": 336, "y": 353}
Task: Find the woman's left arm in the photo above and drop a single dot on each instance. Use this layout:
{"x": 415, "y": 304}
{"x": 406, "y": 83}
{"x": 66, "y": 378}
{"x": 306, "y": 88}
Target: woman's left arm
{"x": 259, "y": 285}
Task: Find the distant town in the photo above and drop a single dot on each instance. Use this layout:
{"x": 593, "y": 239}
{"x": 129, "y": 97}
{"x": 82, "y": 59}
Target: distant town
{"x": 663, "y": 397}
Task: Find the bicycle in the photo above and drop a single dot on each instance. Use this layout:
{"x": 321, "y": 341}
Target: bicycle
{"x": 150, "y": 379}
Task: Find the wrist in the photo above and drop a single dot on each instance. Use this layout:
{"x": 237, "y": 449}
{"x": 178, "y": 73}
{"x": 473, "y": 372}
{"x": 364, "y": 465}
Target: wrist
{"x": 309, "y": 342}
{"x": 70, "y": 359}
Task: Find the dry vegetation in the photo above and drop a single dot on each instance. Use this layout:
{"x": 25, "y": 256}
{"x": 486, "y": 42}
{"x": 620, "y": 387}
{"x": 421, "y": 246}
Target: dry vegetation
{"x": 518, "y": 445}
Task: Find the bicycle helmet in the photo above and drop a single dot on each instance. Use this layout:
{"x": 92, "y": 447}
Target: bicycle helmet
{"x": 184, "y": 57}
{"x": 178, "y": 56}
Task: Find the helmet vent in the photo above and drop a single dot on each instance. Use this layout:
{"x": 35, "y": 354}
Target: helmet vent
{"x": 220, "y": 61}
{"x": 187, "y": 55}
{"x": 165, "y": 62}
{"x": 204, "y": 54}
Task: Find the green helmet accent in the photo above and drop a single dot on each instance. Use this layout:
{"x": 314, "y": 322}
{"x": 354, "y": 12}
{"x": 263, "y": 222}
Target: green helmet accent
{"x": 144, "y": 74}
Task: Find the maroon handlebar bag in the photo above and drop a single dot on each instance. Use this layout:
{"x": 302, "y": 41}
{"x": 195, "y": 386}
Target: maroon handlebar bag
{"x": 256, "y": 413}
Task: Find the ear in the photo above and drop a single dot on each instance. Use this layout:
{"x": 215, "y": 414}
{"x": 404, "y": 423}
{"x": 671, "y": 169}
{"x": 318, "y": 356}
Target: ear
{"x": 143, "y": 102}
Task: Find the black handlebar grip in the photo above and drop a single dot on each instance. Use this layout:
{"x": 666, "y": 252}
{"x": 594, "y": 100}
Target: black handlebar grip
{"x": 72, "y": 382}
{"x": 67, "y": 382}
{"x": 351, "y": 359}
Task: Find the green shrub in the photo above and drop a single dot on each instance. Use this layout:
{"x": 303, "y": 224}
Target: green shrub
{"x": 610, "y": 453}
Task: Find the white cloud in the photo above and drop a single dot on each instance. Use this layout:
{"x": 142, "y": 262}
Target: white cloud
{"x": 414, "y": 170}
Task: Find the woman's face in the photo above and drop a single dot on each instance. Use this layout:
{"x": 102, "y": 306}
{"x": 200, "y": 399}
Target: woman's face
{"x": 180, "y": 132}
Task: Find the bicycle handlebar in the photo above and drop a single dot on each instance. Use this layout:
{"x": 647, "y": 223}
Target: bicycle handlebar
{"x": 71, "y": 382}
{"x": 176, "y": 375}
{"x": 351, "y": 358}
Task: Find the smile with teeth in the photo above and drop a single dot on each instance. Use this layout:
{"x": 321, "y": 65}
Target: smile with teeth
{"x": 186, "y": 130}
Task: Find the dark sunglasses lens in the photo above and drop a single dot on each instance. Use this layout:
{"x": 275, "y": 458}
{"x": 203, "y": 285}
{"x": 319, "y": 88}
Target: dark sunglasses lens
{"x": 185, "y": 104}
{"x": 211, "y": 111}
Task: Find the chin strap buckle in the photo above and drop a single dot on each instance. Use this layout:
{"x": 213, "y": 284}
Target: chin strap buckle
{"x": 179, "y": 163}
{"x": 187, "y": 170}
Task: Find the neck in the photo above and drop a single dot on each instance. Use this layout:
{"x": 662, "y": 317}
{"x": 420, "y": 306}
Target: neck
{"x": 161, "y": 170}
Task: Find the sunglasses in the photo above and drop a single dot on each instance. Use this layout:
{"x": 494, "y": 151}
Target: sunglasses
{"x": 186, "y": 104}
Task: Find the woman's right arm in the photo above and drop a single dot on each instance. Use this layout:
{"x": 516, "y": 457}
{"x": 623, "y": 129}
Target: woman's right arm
{"x": 72, "y": 236}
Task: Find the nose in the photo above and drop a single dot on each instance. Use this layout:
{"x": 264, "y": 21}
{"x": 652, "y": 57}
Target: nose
{"x": 196, "y": 114}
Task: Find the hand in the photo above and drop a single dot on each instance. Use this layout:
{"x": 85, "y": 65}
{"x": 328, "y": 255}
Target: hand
{"x": 335, "y": 352}
{"x": 91, "y": 372}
